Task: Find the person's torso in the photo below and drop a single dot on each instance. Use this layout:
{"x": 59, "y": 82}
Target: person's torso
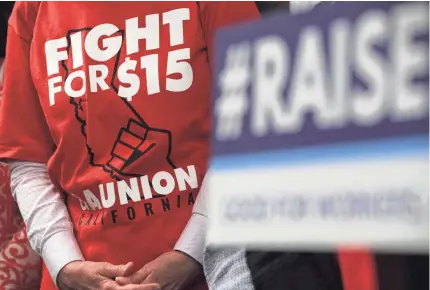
{"x": 124, "y": 87}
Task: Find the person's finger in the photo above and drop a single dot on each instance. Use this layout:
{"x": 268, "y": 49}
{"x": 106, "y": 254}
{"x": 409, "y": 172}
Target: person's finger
{"x": 124, "y": 280}
{"x": 113, "y": 271}
{"x": 132, "y": 279}
{"x": 128, "y": 269}
{"x": 153, "y": 286}
{"x": 136, "y": 278}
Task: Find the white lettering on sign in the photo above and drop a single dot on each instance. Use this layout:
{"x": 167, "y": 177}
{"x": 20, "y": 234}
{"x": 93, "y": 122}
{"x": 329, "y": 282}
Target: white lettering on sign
{"x": 384, "y": 86}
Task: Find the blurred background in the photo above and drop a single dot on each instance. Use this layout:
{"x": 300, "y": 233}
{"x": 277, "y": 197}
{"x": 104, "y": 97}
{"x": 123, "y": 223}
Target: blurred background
{"x": 5, "y": 10}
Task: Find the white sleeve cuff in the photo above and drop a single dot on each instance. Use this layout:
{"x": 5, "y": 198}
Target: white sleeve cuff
{"x": 59, "y": 250}
{"x": 193, "y": 238}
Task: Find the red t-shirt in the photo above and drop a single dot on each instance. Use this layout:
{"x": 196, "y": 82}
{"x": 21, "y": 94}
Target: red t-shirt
{"x": 115, "y": 98}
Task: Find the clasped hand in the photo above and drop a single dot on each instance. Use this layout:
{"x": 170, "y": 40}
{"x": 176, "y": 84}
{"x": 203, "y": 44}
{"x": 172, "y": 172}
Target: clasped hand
{"x": 170, "y": 271}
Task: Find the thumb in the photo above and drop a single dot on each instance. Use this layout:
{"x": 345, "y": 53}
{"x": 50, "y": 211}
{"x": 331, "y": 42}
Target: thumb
{"x": 128, "y": 269}
{"x": 124, "y": 280}
{"x": 112, "y": 271}
{"x": 136, "y": 278}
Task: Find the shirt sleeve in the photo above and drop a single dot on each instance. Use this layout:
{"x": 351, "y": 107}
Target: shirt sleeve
{"x": 227, "y": 269}
{"x": 218, "y": 14}
{"x": 24, "y": 133}
{"x": 193, "y": 238}
{"x": 213, "y": 15}
{"x": 45, "y": 214}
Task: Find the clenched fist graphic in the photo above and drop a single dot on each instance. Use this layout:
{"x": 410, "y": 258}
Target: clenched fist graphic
{"x": 138, "y": 148}
{"x": 136, "y": 142}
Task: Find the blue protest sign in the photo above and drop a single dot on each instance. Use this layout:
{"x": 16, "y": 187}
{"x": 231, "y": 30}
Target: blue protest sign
{"x": 321, "y": 128}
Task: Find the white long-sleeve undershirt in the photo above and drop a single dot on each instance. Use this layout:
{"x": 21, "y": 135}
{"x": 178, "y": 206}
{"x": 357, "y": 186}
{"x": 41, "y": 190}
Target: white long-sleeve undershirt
{"x": 50, "y": 230}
